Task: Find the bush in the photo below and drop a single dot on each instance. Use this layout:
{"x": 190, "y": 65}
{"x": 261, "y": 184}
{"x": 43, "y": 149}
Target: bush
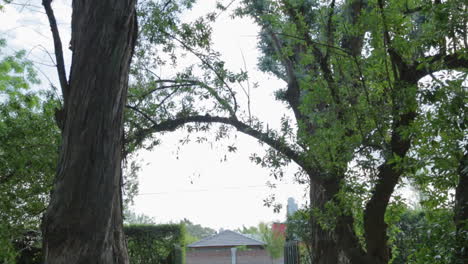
{"x": 156, "y": 244}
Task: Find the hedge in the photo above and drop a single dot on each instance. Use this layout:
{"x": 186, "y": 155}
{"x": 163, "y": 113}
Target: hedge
{"x": 147, "y": 244}
{"x": 156, "y": 244}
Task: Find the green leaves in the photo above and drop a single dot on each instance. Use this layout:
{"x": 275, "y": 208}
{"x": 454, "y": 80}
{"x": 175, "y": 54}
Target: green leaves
{"x": 274, "y": 240}
{"x": 16, "y": 76}
{"x": 155, "y": 244}
{"x": 28, "y": 151}
{"x": 361, "y": 82}
{"x": 424, "y": 236}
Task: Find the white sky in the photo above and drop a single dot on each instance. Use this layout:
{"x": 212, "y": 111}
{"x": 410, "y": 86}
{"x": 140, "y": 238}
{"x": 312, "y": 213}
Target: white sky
{"x": 191, "y": 183}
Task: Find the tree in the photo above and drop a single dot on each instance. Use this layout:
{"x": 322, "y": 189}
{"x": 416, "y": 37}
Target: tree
{"x": 461, "y": 211}
{"x": 353, "y": 73}
{"x": 132, "y": 218}
{"x": 28, "y": 154}
{"x": 252, "y": 230}
{"x": 299, "y": 229}
{"x": 83, "y": 222}
{"x": 440, "y": 143}
{"x": 154, "y": 244}
{"x": 421, "y": 239}
{"x": 274, "y": 241}
{"x": 196, "y": 231}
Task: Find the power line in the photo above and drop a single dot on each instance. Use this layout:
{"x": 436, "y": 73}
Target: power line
{"x": 213, "y": 189}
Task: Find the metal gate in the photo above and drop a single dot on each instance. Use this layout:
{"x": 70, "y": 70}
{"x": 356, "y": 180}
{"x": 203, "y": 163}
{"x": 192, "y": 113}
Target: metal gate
{"x": 291, "y": 252}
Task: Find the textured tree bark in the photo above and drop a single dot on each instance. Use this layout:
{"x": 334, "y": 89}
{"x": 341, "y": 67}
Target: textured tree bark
{"x": 461, "y": 212}
{"x": 374, "y": 216}
{"x": 83, "y": 223}
{"x": 323, "y": 246}
{"x": 375, "y": 226}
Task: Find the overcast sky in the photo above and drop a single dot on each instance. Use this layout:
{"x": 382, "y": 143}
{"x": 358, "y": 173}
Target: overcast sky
{"x": 193, "y": 181}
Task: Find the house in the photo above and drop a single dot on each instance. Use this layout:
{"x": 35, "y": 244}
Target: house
{"x": 229, "y": 247}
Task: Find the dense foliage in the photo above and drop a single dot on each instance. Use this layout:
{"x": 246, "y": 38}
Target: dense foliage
{"x": 376, "y": 90}
{"x": 298, "y": 228}
{"x": 424, "y": 237}
{"x": 28, "y": 155}
{"x": 417, "y": 236}
{"x": 274, "y": 241}
{"x": 156, "y": 244}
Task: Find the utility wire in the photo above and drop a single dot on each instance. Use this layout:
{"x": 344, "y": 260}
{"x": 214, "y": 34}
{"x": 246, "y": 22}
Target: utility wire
{"x": 212, "y": 189}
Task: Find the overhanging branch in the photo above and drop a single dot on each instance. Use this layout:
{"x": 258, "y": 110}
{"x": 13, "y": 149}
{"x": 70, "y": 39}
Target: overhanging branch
{"x": 173, "y": 124}
{"x": 439, "y": 62}
{"x": 170, "y": 125}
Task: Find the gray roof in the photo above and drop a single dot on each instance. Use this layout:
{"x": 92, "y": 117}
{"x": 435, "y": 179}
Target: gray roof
{"x": 226, "y": 238}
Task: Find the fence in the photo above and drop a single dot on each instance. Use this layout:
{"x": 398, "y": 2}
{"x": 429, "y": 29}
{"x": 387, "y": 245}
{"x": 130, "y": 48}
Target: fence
{"x": 291, "y": 252}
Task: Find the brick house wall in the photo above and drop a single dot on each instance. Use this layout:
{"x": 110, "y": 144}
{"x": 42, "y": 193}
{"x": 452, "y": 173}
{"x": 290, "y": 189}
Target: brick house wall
{"x": 222, "y": 255}
{"x": 257, "y": 256}
{"x": 208, "y": 256}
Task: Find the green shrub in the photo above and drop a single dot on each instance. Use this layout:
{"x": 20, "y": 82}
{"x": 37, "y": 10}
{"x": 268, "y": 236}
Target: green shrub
{"x": 156, "y": 244}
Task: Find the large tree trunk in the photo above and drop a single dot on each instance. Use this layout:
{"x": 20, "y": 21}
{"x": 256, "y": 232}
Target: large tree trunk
{"x": 323, "y": 246}
{"x": 375, "y": 227}
{"x": 461, "y": 212}
{"x": 83, "y": 223}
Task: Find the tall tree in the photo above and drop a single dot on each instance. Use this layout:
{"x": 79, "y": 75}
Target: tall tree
{"x": 461, "y": 211}
{"x": 83, "y": 223}
{"x": 352, "y": 71}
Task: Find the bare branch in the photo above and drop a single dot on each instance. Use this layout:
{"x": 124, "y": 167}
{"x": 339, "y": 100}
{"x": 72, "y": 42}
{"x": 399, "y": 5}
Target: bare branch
{"x": 146, "y": 116}
{"x": 247, "y": 92}
{"x": 58, "y": 49}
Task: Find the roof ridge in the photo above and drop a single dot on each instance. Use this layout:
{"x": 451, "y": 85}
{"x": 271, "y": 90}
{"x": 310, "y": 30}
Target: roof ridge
{"x": 226, "y": 237}
{"x": 206, "y": 238}
{"x": 248, "y": 237}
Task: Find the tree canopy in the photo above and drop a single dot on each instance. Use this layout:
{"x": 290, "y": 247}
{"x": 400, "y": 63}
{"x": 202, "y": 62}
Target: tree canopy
{"x": 366, "y": 81}
{"x": 376, "y": 92}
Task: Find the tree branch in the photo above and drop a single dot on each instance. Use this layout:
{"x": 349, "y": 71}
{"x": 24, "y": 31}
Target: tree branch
{"x": 159, "y": 88}
{"x": 330, "y": 30}
{"x": 58, "y": 49}
{"x": 206, "y": 62}
{"x": 276, "y": 144}
{"x": 388, "y": 175}
{"x": 398, "y": 64}
{"x": 351, "y": 42}
{"x": 452, "y": 61}
{"x": 240, "y": 126}
{"x": 143, "y": 114}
